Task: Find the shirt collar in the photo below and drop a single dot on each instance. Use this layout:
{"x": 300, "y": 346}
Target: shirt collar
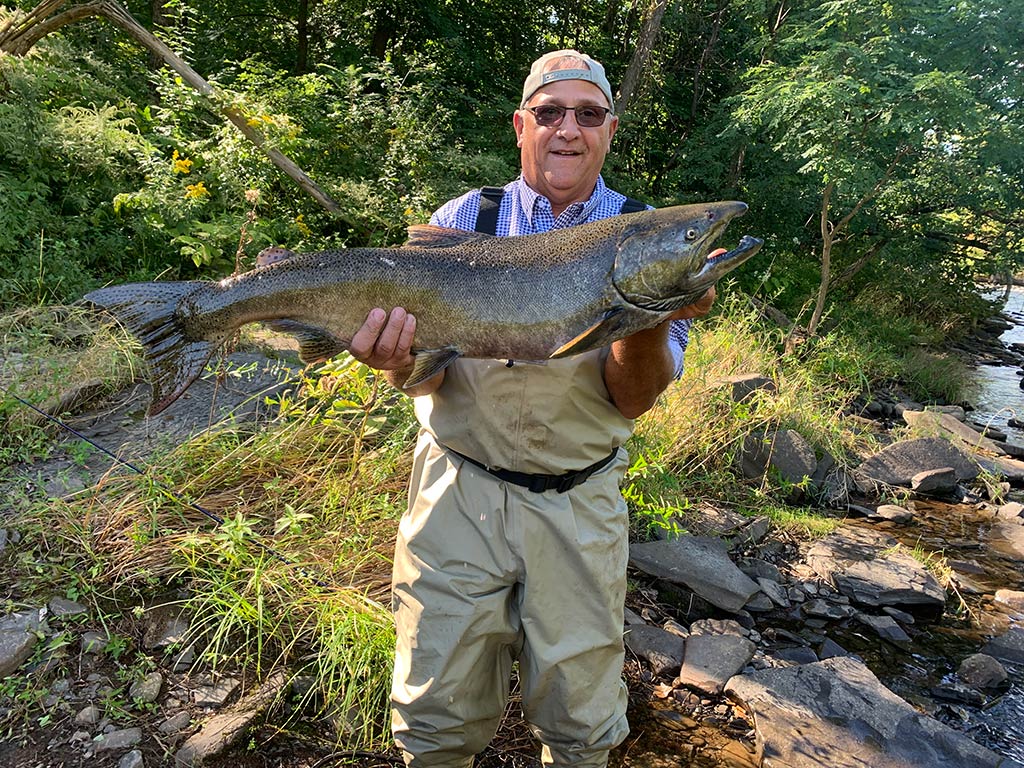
{"x": 529, "y": 198}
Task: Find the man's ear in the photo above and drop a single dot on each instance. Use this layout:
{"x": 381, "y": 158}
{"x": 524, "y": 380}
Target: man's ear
{"x": 518, "y": 124}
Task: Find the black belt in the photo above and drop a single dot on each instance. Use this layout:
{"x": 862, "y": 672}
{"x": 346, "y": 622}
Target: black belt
{"x": 538, "y": 483}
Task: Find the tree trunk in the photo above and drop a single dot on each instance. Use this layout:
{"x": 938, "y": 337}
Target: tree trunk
{"x": 827, "y": 235}
{"x": 705, "y": 55}
{"x": 19, "y": 37}
{"x": 641, "y": 56}
{"x": 302, "y": 43}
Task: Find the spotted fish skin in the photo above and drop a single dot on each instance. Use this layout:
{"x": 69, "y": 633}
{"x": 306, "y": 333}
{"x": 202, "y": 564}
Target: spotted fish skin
{"x": 534, "y": 297}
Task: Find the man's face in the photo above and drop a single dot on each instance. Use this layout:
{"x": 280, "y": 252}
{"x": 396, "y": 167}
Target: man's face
{"x": 562, "y": 162}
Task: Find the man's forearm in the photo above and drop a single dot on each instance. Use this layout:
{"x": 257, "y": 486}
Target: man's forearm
{"x": 638, "y": 369}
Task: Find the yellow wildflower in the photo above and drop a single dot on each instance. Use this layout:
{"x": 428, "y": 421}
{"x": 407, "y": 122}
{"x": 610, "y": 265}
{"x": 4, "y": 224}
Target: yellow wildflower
{"x": 302, "y": 226}
{"x": 181, "y": 164}
{"x": 197, "y": 191}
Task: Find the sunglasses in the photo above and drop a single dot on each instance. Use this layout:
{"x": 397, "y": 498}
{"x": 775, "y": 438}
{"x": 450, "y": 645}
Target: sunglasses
{"x": 553, "y": 114}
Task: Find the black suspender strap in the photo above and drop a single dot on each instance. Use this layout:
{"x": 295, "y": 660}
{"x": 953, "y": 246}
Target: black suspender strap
{"x": 540, "y": 483}
{"x": 629, "y": 205}
{"x": 490, "y": 204}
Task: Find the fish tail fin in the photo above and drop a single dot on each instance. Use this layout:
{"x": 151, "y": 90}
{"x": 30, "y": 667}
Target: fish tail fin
{"x": 149, "y": 311}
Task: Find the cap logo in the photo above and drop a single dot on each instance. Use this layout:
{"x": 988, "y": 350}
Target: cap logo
{"x": 566, "y": 74}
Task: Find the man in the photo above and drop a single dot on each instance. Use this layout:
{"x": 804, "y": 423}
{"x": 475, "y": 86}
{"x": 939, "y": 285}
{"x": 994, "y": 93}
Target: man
{"x": 497, "y": 557}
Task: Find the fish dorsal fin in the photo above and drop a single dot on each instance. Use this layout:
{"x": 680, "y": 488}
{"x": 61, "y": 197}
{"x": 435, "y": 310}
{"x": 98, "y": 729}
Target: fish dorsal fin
{"x": 430, "y": 362}
{"x": 430, "y": 236}
{"x": 598, "y": 335}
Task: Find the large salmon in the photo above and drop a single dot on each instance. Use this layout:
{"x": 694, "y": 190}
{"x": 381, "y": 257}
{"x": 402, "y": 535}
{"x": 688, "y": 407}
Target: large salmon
{"x": 528, "y": 298}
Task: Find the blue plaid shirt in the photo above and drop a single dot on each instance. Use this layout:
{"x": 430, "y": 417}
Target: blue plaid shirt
{"x": 525, "y": 212}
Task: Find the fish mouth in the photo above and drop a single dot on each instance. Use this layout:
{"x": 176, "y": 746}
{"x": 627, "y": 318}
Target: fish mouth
{"x": 717, "y": 263}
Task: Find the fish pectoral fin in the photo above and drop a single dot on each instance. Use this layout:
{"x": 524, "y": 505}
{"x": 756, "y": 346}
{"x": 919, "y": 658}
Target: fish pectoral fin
{"x": 598, "y": 335}
{"x": 315, "y": 344}
{"x": 430, "y": 236}
{"x": 430, "y": 362}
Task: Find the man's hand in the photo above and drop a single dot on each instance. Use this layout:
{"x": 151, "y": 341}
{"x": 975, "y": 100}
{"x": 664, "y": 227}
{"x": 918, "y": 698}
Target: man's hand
{"x": 699, "y": 308}
{"x": 384, "y": 341}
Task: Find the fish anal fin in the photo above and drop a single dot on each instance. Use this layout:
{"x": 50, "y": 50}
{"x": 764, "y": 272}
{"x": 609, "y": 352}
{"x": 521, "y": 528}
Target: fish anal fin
{"x": 172, "y": 371}
{"x": 315, "y": 344}
{"x": 430, "y": 236}
{"x": 598, "y": 335}
{"x": 430, "y": 362}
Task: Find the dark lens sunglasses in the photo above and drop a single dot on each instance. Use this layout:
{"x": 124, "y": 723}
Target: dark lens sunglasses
{"x": 553, "y": 114}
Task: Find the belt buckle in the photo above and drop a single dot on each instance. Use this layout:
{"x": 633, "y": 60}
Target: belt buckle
{"x": 567, "y": 482}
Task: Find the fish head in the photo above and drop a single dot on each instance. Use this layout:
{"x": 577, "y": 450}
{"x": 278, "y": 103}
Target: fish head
{"x": 666, "y": 258}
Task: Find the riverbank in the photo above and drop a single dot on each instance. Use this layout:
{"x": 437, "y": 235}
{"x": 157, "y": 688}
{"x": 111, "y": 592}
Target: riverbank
{"x": 315, "y": 465}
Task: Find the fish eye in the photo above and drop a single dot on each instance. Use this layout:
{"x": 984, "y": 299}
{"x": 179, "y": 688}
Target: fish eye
{"x": 691, "y": 234}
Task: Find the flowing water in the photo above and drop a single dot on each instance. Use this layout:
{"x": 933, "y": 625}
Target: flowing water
{"x": 999, "y": 396}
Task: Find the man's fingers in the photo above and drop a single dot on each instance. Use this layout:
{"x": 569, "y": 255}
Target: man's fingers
{"x": 364, "y": 340}
{"x": 388, "y": 339}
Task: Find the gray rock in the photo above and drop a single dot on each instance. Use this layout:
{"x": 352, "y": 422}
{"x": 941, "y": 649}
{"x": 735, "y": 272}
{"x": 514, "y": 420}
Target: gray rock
{"x": 216, "y": 692}
{"x": 830, "y": 649}
{"x": 835, "y": 713}
{"x": 929, "y": 424}
{"x": 663, "y": 650}
{"x": 893, "y": 513}
{"x": 94, "y": 642}
{"x": 743, "y": 385}
{"x": 1008, "y": 538}
{"x": 1007, "y": 647}
{"x": 886, "y": 627}
{"x": 775, "y": 592}
{"x": 631, "y": 617}
{"x": 785, "y": 451}
{"x": 935, "y": 481}
{"x": 715, "y": 652}
{"x": 826, "y": 609}
{"x": 757, "y": 568}
{"x": 1011, "y": 598}
{"x": 1013, "y": 510}
{"x": 165, "y": 626}
{"x": 959, "y": 693}
{"x": 956, "y": 411}
{"x": 122, "y": 739}
{"x": 131, "y": 760}
{"x": 699, "y": 564}
{"x": 3, "y": 539}
{"x": 175, "y": 723}
{"x": 897, "y": 464}
{"x": 224, "y": 729}
{"x": 759, "y": 603}
{"x": 799, "y": 655}
{"x": 184, "y": 660}
{"x": 61, "y": 606}
{"x": 147, "y": 689}
{"x": 871, "y": 570}
{"x": 18, "y": 638}
{"x": 983, "y": 672}
{"x": 90, "y": 715}
{"x": 1000, "y": 466}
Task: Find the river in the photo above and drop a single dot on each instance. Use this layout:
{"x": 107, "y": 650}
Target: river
{"x": 999, "y": 396}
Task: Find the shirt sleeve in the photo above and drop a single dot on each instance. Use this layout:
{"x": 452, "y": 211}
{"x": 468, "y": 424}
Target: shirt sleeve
{"x": 459, "y": 213}
{"x": 678, "y": 339}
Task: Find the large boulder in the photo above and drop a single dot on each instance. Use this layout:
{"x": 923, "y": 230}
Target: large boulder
{"x": 897, "y": 464}
{"x": 836, "y": 713}
{"x": 870, "y": 569}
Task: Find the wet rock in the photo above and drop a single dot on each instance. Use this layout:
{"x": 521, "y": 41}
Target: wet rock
{"x": 1010, "y": 536}
{"x": 959, "y": 693}
{"x": 1007, "y": 647}
{"x": 715, "y": 651}
{"x": 826, "y": 609}
{"x": 871, "y": 570}
{"x": 886, "y": 628}
{"x": 224, "y": 729}
{"x": 894, "y": 513}
{"x": 836, "y": 713}
{"x": 897, "y": 464}
{"x": 983, "y": 672}
{"x": 116, "y": 740}
{"x": 699, "y": 564}
{"x": 663, "y": 650}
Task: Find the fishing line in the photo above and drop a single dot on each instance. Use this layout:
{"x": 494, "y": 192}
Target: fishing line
{"x": 180, "y": 498}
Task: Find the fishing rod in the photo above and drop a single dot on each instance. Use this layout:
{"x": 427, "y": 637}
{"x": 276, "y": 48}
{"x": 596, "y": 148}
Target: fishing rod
{"x": 180, "y": 498}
